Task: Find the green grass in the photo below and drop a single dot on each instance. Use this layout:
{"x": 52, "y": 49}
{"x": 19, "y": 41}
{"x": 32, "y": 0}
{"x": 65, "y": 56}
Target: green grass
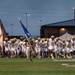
{"x": 44, "y": 66}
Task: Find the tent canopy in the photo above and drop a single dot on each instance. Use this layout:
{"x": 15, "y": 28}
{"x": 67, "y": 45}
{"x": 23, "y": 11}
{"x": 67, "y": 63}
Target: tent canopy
{"x": 66, "y": 36}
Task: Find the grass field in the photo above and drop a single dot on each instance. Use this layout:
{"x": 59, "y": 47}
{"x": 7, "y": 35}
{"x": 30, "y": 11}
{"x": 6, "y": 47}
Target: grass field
{"x": 44, "y": 66}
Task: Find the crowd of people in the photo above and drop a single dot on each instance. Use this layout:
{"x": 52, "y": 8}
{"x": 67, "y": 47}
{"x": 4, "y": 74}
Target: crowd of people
{"x": 53, "y": 47}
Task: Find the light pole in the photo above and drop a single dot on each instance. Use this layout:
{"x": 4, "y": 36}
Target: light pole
{"x": 74, "y": 12}
{"x": 40, "y": 22}
{"x": 12, "y": 29}
{"x": 26, "y": 14}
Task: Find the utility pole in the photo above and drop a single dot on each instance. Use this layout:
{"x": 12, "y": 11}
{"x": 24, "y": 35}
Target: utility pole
{"x": 40, "y": 22}
{"x": 26, "y": 15}
{"x": 74, "y": 12}
{"x": 12, "y": 29}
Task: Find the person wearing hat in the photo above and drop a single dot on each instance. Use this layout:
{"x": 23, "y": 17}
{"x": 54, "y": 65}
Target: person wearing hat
{"x": 68, "y": 48}
{"x": 38, "y": 50}
{"x": 51, "y": 46}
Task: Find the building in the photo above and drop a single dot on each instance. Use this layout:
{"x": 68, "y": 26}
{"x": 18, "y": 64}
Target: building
{"x": 3, "y": 34}
{"x": 58, "y": 28}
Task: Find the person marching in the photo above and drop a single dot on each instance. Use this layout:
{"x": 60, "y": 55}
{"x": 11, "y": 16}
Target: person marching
{"x": 28, "y": 38}
{"x": 51, "y": 46}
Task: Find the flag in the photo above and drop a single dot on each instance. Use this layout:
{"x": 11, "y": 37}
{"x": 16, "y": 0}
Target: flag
{"x": 28, "y": 35}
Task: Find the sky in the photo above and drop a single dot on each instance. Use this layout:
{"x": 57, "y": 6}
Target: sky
{"x": 48, "y": 11}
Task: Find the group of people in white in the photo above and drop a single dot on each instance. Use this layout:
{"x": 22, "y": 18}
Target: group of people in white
{"x": 53, "y": 47}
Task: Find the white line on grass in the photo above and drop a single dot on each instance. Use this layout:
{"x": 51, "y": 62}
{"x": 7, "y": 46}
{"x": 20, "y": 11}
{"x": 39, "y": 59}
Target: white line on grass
{"x": 64, "y": 60}
{"x": 65, "y": 64}
{"x": 68, "y": 65}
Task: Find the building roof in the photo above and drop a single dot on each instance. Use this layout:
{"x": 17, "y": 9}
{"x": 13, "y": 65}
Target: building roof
{"x": 63, "y": 23}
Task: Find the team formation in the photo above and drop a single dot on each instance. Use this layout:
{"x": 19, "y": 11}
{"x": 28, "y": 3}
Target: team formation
{"x": 53, "y": 47}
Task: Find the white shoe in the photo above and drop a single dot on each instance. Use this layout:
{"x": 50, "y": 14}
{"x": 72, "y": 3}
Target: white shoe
{"x": 52, "y": 56}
